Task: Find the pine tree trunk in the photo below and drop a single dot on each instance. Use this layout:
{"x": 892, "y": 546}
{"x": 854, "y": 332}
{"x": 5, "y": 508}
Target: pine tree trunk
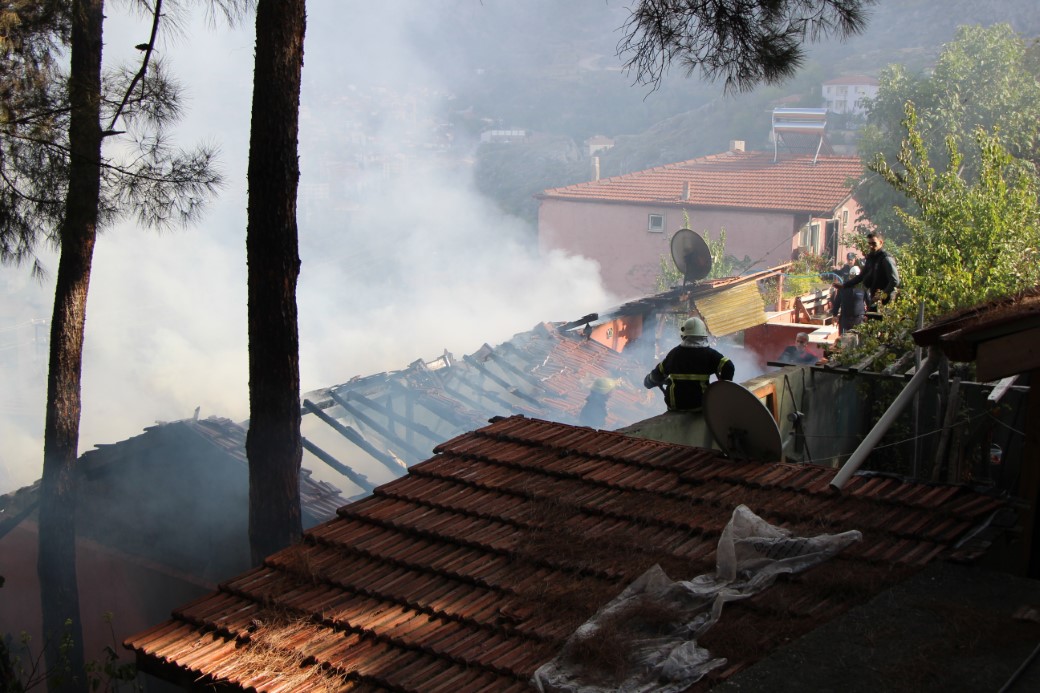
{"x": 273, "y": 442}
{"x": 57, "y": 553}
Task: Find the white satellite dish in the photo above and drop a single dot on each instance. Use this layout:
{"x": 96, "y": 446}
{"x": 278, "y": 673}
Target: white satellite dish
{"x": 740, "y": 423}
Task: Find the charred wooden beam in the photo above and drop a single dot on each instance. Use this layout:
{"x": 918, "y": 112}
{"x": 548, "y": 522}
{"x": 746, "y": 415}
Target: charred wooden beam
{"x": 504, "y": 384}
{"x": 413, "y": 452}
{"x": 390, "y": 414}
{"x": 358, "y": 479}
{"x": 356, "y": 438}
{"x": 472, "y": 403}
{"x": 591, "y": 317}
{"x": 439, "y": 409}
{"x": 527, "y": 377}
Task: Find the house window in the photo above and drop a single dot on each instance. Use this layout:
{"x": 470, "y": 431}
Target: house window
{"x": 655, "y": 223}
{"x": 844, "y": 219}
{"x": 814, "y": 238}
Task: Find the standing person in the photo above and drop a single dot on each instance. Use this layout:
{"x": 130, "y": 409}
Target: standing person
{"x": 880, "y": 276}
{"x": 845, "y": 270}
{"x": 850, "y": 304}
{"x": 684, "y": 372}
{"x": 594, "y": 413}
{"x": 841, "y": 275}
{"x": 798, "y": 353}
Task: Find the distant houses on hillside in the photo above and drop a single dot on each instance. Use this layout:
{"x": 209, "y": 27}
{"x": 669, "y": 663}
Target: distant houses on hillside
{"x": 849, "y": 94}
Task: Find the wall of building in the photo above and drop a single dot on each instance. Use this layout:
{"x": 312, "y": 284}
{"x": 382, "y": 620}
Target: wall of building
{"x": 617, "y": 333}
{"x": 629, "y": 255}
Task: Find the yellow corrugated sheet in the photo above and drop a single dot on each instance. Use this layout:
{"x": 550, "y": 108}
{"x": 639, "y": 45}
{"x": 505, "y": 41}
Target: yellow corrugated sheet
{"x": 732, "y": 310}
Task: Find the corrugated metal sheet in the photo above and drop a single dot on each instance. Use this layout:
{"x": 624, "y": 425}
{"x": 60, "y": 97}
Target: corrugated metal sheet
{"x": 732, "y": 310}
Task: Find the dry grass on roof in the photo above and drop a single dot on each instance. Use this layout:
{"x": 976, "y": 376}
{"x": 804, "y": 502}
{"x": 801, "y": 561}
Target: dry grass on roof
{"x": 276, "y": 642}
{"x": 606, "y": 654}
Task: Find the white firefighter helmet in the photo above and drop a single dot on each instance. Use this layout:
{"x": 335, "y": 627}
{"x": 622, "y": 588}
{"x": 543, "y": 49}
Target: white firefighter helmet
{"x": 693, "y": 327}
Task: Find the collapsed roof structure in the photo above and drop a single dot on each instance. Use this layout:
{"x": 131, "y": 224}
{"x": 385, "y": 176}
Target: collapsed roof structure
{"x": 397, "y": 417}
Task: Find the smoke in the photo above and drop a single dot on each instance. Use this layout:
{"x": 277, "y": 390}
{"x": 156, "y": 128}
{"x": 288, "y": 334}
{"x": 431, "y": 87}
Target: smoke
{"x": 401, "y": 258}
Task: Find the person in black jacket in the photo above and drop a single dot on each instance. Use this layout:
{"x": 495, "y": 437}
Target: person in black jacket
{"x": 880, "y": 276}
{"x": 684, "y": 372}
{"x": 850, "y": 304}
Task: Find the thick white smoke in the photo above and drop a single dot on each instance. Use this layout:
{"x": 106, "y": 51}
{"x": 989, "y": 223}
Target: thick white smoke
{"x": 420, "y": 264}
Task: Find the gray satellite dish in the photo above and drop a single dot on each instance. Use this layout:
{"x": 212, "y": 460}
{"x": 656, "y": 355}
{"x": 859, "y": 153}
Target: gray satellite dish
{"x": 691, "y": 255}
{"x": 740, "y": 423}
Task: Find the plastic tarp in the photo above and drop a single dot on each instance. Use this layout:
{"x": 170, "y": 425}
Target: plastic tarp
{"x": 645, "y": 639}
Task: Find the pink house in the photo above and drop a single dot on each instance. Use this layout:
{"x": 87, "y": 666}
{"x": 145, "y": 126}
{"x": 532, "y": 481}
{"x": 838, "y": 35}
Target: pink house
{"x": 769, "y": 207}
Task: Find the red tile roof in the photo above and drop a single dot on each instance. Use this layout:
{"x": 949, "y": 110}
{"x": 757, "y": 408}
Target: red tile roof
{"x": 854, "y": 79}
{"x": 744, "y": 180}
{"x": 470, "y": 572}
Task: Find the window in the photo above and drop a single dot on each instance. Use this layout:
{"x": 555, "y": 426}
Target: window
{"x": 655, "y": 223}
{"x": 844, "y": 219}
{"x": 814, "y": 238}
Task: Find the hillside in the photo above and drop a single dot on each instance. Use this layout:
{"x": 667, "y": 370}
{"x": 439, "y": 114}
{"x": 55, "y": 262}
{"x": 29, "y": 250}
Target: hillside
{"x": 687, "y": 117}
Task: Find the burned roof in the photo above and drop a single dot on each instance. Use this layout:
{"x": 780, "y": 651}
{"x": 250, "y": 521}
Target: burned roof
{"x": 152, "y": 496}
{"x": 398, "y": 417}
{"x": 473, "y": 570}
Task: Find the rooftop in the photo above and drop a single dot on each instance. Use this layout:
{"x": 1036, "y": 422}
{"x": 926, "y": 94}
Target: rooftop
{"x": 734, "y": 179}
{"x": 473, "y": 570}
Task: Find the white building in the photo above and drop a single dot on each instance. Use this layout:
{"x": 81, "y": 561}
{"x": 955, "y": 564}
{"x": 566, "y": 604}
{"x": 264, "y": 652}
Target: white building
{"x": 848, "y": 94}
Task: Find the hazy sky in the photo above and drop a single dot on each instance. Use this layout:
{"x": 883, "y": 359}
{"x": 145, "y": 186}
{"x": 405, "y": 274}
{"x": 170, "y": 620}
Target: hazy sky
{"x": 427, "y": 265}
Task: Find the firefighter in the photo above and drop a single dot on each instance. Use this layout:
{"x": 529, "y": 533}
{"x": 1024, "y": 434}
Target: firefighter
{"x": 684, "y": 372}
{"x": 594, "y": 413}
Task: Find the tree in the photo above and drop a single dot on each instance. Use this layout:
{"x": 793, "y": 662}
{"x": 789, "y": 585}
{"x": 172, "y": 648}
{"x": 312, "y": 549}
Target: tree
{"x": 987, "y": 78}
{"x": 273, "y": 443}
{"x": 971, "y": 240}
{"x": 746, "y": 42}
{"x": 58, "y": 185}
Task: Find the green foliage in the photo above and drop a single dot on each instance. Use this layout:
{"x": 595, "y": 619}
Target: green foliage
{"x": 669, "y": 275}
{"x": 722, "y": 265}
{"x": 986, "y": 78}
{"x": 21, "y": 668}
{"x": 972, "y": 240}
{"x": 744, "y": 43}
{"x": 143, "y": 177}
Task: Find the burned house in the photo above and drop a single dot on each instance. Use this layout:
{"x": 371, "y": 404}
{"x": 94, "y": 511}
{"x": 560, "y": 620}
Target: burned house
{"x": 530, "y": 552}
{"x": 388, "y": 421}
{"x": 160, "y": 518}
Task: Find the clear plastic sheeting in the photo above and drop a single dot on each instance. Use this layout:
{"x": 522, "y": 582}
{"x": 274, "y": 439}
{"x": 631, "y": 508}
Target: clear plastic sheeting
{"x": 646, "y": 638}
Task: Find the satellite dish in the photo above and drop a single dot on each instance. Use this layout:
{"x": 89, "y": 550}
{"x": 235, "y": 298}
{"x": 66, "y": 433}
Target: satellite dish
{"x": 740, "y": 423}
{"x": 691, "y": 255}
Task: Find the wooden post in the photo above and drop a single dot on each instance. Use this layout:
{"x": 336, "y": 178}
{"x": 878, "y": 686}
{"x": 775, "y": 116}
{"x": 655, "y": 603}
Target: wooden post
{"x": 1029, "y": 481}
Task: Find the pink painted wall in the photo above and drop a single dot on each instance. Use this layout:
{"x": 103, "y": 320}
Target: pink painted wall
{"x": 616, "y": 236}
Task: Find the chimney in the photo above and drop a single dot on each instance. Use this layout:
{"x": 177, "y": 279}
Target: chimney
{"x": 736, "y": 145}
{"x": 595, "y": 169}
{"x": 686, "y": 190}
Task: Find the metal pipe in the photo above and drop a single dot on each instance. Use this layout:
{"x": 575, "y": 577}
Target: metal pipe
{"x": 885, "y": 422}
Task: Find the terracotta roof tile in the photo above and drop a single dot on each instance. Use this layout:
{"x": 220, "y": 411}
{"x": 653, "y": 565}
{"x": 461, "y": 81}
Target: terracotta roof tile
{"x": 470, "y": 572}
{"x": 747, "y": 180}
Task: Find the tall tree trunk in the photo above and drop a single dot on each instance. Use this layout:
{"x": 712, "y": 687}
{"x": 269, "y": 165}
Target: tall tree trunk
{"x": 57, "y": 554}
{"x": 272, "y": 251}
